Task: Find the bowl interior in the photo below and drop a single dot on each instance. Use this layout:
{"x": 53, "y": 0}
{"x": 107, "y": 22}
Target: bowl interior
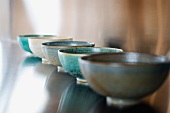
{"x": 88, "y": 50}
{"x": 48, "y": 38}
{"x": 70, "y": 43}
{"x": 127, "y": 58}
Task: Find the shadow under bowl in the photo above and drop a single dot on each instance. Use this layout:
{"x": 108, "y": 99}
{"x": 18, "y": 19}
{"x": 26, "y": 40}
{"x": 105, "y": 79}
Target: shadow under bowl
{"x": 125, "y": 78}
{"x": 50, "y": 49}
{"x": 23, "y": 41}
{"x": 69, "y": 58}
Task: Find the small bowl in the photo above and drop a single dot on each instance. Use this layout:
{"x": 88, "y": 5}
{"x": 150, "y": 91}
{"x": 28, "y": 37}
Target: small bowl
{"x": 35, "y": 44}
{"x": 125, "y": 78}
{"x": 23, "y": 41}
{"x": 50, "y": 49}
{"x": 69, "y": 58}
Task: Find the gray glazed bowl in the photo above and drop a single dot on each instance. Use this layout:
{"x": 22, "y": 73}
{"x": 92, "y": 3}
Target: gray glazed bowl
{"x": 50, "y": 49}
{"x": 69, "y": 58}
{"x": 125, "y": 78}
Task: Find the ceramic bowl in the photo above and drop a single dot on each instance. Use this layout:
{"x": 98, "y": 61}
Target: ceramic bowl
{"x": 125, "y": 78}
{"x": 23, "y": 41}
{"x": 69, "y": 58}
{"x": 35, "y": 44}
{"x": 50, "y": 49}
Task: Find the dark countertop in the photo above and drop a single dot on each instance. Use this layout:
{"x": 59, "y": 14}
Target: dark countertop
{"x": 29, "y": 86}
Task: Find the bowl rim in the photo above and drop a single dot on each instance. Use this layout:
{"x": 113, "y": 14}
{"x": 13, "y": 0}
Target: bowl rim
{"x": 35, "y": 35}
{"x": 51, "y": 38}
{"x": 61, "y": 44}
{"x": 60, "y": 51}
{"x": 84, "y": 59}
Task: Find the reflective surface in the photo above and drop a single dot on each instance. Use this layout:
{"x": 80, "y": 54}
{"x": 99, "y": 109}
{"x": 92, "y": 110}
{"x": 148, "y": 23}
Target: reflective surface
{"x": 29, "y": 86}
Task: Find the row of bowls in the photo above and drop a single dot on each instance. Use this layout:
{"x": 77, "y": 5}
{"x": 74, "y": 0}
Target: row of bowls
{"x": 124, "y": 77}
{"x": 62, "y": 51}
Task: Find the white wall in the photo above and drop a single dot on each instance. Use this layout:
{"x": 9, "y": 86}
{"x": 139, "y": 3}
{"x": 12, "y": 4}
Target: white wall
{"x": 133, "y": 23}
{"x": 90, "y": 20}
{"x": 5, "y": 19}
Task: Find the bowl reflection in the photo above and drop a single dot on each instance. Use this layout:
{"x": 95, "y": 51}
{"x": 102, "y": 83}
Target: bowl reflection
{"x": 103, "y": 107}
{"x": 55, "y": 85}
{"x": 30, "y": 61}
{"x": 27, "y": 64}
{"x": 78, "y": 98}
{"x": 58, "y": 81}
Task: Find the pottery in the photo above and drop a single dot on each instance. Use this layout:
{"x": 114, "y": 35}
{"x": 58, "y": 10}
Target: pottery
{"x": 125, "y": 78}
{"x": 23, "y": 41}
{"x": 50, "y": 49}
{"x": 69, "y": 58}
{"x": 35, "y": 44}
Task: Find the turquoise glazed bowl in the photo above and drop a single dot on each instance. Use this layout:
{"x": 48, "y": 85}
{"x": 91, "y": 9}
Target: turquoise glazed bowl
{"x": 50, "y": 49}
{"x": 23, "y": 41}
{"x": 69, "y": 58}
{"x": 125, "y": 78}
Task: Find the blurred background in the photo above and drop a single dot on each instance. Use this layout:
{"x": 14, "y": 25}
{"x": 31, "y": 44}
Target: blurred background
{"x": 133, "y": 25}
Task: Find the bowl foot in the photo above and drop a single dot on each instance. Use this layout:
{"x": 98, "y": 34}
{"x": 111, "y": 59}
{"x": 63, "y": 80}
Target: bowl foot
{"x": 121, "y": 102}
{"x": 45, "y": 61}
{"x": 60, "y": 69}
{"x": 81, "y": 81}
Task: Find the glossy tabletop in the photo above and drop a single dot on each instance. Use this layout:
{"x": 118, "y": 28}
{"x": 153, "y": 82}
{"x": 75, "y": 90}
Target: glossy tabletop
{"x": 29, "y": 86}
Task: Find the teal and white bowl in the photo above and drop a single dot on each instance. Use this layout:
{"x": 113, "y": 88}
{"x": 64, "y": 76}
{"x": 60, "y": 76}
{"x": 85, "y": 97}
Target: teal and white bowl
{"x": 69, "y": 58}
{"x": 23, "y": 40}
{"x": 50, "y": 49}
{"x": 35, "y": 44}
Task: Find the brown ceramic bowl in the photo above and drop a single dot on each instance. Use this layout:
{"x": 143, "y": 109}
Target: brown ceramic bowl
{"x": 125, "y": 78}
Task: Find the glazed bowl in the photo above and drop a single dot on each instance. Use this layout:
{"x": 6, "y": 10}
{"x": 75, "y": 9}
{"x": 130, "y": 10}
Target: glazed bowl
{"x": 125, "y": 78}
{"x": 69, "y": 58}
{"x": 50, "y": 49}
{"x": 35, "y": 44}
{"x": 23, "y": 41}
